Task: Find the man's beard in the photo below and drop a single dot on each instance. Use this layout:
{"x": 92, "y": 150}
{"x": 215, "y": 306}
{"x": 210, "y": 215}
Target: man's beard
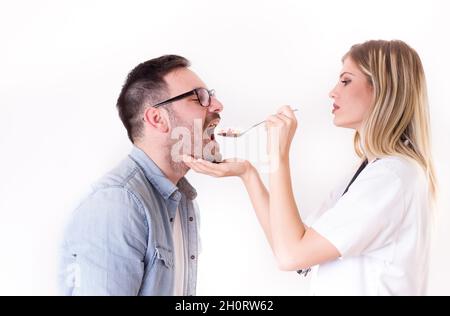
{"x": 192, "y": 139}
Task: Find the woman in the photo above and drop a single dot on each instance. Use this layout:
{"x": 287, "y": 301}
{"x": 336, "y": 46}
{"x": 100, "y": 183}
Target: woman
{"x": 373, "y": 237}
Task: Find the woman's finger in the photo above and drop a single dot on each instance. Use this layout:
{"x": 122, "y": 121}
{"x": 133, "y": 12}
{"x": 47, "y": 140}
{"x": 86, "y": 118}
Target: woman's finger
{"x": 233, "y": 160}
{"x": 207, "y": 167}
{"x": 274, "y": 120}
{"x": 197, "y": 167}
{"x": 286, "y": 110}
{"x": 285, "y": 119}
{"x": 213, "y": 168}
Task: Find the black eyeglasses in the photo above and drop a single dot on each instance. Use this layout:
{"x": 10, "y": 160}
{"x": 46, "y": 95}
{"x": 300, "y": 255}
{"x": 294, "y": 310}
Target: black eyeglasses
{"x": 203, "y": 96}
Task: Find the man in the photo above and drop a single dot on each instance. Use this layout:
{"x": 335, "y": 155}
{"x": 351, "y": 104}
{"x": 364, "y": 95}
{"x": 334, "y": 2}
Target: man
{"x": 136, "y": 233}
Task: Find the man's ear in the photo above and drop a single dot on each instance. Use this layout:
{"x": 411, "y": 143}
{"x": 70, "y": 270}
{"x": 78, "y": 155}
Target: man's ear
{"x": 157, "y": 118}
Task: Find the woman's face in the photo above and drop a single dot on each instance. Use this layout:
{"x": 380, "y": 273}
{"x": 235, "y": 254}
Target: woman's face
{"x": 352, "y": 96}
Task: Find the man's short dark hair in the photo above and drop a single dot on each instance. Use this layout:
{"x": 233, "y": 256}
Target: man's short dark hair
{"x": 145, "y": 85}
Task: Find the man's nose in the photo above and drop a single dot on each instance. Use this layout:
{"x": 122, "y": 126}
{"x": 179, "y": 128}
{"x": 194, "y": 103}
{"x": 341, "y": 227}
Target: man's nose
{"x": 215, "y": 106}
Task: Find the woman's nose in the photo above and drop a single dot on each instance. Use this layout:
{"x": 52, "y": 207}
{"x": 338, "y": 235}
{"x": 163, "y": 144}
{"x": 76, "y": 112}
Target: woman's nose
{"x": 332, "y": 93}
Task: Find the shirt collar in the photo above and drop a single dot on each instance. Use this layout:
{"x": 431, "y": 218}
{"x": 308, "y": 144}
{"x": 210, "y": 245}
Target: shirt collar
{"x": 187, "y": 188}
{"x": 156, "y": 177}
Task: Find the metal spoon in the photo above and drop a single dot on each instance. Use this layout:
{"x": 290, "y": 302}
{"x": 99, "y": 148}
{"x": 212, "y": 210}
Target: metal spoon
{"x": 233, "y": 133}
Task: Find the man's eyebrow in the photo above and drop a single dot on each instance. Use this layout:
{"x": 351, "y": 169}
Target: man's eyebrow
{"x": 345, "y": 72}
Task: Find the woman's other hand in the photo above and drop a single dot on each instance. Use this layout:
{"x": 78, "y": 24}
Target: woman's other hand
{"x": 227, "y": 168}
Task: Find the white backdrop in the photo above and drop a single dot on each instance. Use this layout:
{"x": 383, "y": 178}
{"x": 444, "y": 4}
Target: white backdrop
{"x": 62, "y": 64}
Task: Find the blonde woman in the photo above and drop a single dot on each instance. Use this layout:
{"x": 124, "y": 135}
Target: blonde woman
{"x": 373, "y": 236}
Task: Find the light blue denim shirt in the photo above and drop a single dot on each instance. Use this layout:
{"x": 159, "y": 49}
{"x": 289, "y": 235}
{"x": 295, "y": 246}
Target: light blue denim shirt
{"x": 119, "y": 240}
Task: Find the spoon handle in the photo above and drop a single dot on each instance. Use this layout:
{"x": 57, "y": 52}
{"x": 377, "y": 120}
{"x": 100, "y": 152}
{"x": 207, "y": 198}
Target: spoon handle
{"x": 294, "y": 110}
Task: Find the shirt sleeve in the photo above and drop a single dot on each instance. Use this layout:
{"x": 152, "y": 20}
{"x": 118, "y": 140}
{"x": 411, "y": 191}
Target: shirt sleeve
{"x": 327, "y": 203}
{"x": 108, "y": 241}
{"x": 366, "y": 218}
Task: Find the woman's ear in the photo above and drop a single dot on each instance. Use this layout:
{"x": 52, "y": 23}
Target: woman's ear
{"x": 157, "y": 119}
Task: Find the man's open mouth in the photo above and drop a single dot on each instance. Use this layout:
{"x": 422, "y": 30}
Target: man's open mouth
{"x": 211, "y": 127}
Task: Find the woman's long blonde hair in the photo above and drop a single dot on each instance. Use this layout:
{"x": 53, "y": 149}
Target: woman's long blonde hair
{"x": 398, "y": 123}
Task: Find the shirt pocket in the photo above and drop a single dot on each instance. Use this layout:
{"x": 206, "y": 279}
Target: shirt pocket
{"x": 164, "y": 257}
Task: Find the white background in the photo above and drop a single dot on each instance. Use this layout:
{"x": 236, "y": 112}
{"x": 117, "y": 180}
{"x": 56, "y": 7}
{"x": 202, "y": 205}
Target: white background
{"x": 62, "y": 64}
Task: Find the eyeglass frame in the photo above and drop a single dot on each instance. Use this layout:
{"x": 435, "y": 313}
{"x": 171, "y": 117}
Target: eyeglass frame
{"x": 211, "y": 93}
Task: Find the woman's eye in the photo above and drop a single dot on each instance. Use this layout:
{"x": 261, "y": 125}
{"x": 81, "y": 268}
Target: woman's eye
{"x": 345, "y": 82}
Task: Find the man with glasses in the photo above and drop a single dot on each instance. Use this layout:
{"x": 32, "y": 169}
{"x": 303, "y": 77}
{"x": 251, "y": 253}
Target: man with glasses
{"x": 136, "y": 233}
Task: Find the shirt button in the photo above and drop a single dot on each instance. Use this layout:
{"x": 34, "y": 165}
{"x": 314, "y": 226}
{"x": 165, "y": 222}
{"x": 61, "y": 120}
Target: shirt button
{"x": 171, "y": 219}
{"x": 192, "y": 257}
{"x": 191, "y": 218}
